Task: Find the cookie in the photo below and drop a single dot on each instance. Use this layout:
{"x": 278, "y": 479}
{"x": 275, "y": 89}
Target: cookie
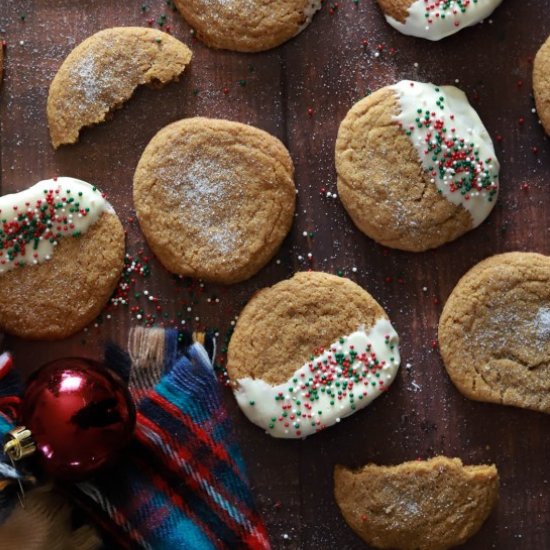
{"x": 435, "y": 19}
{"x": 61, "y": 255}
{"x": 101, "y": 73}
{"x": 247, "y": 25}
{"x": 416, "y": 167}
{"x": 214, "y": 198}
{"x": 420, "y": 505}
{"x": 308, "y": 352}
{"x": 494, "y": 332}
{"x": 541, "y": 84}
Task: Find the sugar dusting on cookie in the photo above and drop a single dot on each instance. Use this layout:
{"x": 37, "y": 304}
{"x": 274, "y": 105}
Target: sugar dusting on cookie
{"x": 202, "y": 188}
{"x": 95, "y": 82}
{"x": 542, "y": 323}
{"x": 509, "y": 328}
{"x": 437, "y": 19}
{"x": 453, "y": 146}
{"x": 333, "y": 384}
{"x": 90, "y": 81}
{"x": 33, "y": 221}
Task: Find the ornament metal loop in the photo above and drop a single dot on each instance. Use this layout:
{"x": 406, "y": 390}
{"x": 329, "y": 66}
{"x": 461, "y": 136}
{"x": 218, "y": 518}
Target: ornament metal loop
{"x": 19, "y": 443}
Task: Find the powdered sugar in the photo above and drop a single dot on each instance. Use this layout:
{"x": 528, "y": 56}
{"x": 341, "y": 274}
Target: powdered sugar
{"x": 92, "y": 81}
{"x": 542, "y": 323}
{"x": 202, "y": 188}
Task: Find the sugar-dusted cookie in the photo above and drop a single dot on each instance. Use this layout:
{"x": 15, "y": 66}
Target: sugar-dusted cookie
{"x": 214, "y": 198}
{"x": 61, "y": 254}
{"x": 247, "y": 25}
{"x": 308, "y": 352}
{"x": 416, "y": 167}
{"x": 435, "y": 19}
{"x": 102, "y": 72}
{"x": 494, "y": 332}
{"x": 421, "y": 505}
{"x": 541, "y": 84}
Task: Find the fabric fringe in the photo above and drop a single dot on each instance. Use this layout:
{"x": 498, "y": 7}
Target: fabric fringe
{"x": 45, "y": 523}
{"x": 118, "y": 360}
{"x": 208, "y": 342}
{"x": 146, "y": 349}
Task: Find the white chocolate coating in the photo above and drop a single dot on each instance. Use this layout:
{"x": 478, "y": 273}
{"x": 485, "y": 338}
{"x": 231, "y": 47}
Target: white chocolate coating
{"x": 433, "y": 20}
{"x": 441, "y": 122}
{"x": 311, "y": 9}
{"x": 75, "y": 204}
{"x": 360, "y": 366}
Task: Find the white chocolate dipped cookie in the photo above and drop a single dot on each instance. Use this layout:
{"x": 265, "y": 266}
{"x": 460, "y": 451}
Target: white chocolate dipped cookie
{"x": 416, "y": 166}
{"x": 309, "y": 352}
{"x": 435, "y": 19}
{"x": 61, "y": 254}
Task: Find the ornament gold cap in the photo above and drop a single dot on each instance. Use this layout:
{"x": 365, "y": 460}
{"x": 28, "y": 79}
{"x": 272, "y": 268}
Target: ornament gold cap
{"x": 19, "y": 443}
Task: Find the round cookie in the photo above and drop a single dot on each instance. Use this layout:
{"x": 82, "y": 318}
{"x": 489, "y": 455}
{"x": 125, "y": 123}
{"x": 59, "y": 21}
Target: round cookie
{"x": 247, "y": 25}
{"x": 308, "y": 352}
{"x": 431, "y": 504}
{"x": 435, "y": 19}
{"x": 494, "y": 332}
{"x": 61, "y": 255}
{"x": 214, "y": 198}
{"x": 102, "y": 72}
{"x": 416, "y": 167}
{"x": 541, "y": 84}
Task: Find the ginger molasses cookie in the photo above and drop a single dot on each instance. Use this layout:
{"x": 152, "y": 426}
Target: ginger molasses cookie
{"x": 61, "y": 255}
{"x": 247, "y": 25}
{"x": 214, "y": 198}
{"x": 420, "y": 505}
{"x": 541, "y": 84}
{"x": 494, "y": 332}
{"x": 435, "y": 19}
{"x": 101, "y": 73}
{"x": 416, "y": 167}
{"x": 308, "y": 352}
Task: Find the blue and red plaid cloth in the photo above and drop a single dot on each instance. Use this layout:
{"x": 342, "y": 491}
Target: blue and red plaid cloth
{"x": 182, "y": 483}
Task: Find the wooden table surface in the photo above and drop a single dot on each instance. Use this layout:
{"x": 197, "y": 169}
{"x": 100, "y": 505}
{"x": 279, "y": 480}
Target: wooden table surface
{"x": 327, "y": 68}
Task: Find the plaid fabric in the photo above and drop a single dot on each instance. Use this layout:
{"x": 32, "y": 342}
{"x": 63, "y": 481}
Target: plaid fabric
{"x": 10, "y": 388}
{"x": 182, "y": 483}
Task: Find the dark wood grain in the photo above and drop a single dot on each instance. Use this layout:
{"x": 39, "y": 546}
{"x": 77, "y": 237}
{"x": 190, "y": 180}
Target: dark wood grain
{"x": 327, "y": 68}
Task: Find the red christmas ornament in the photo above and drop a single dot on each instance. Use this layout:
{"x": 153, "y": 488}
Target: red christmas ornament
{"x": 80, "y": 416}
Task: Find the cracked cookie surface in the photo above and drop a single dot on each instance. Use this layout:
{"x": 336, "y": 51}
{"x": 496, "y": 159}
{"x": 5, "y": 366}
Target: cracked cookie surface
{"x": 419, "y": 505}
{"x": 494, "y": 332}
{"x": 247, "y": 25}
{"x": 541, "y": 84}
{"x": 102, "y": 72}
{"x": 383, "y": 185}
{"x": 214, "y": 198}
